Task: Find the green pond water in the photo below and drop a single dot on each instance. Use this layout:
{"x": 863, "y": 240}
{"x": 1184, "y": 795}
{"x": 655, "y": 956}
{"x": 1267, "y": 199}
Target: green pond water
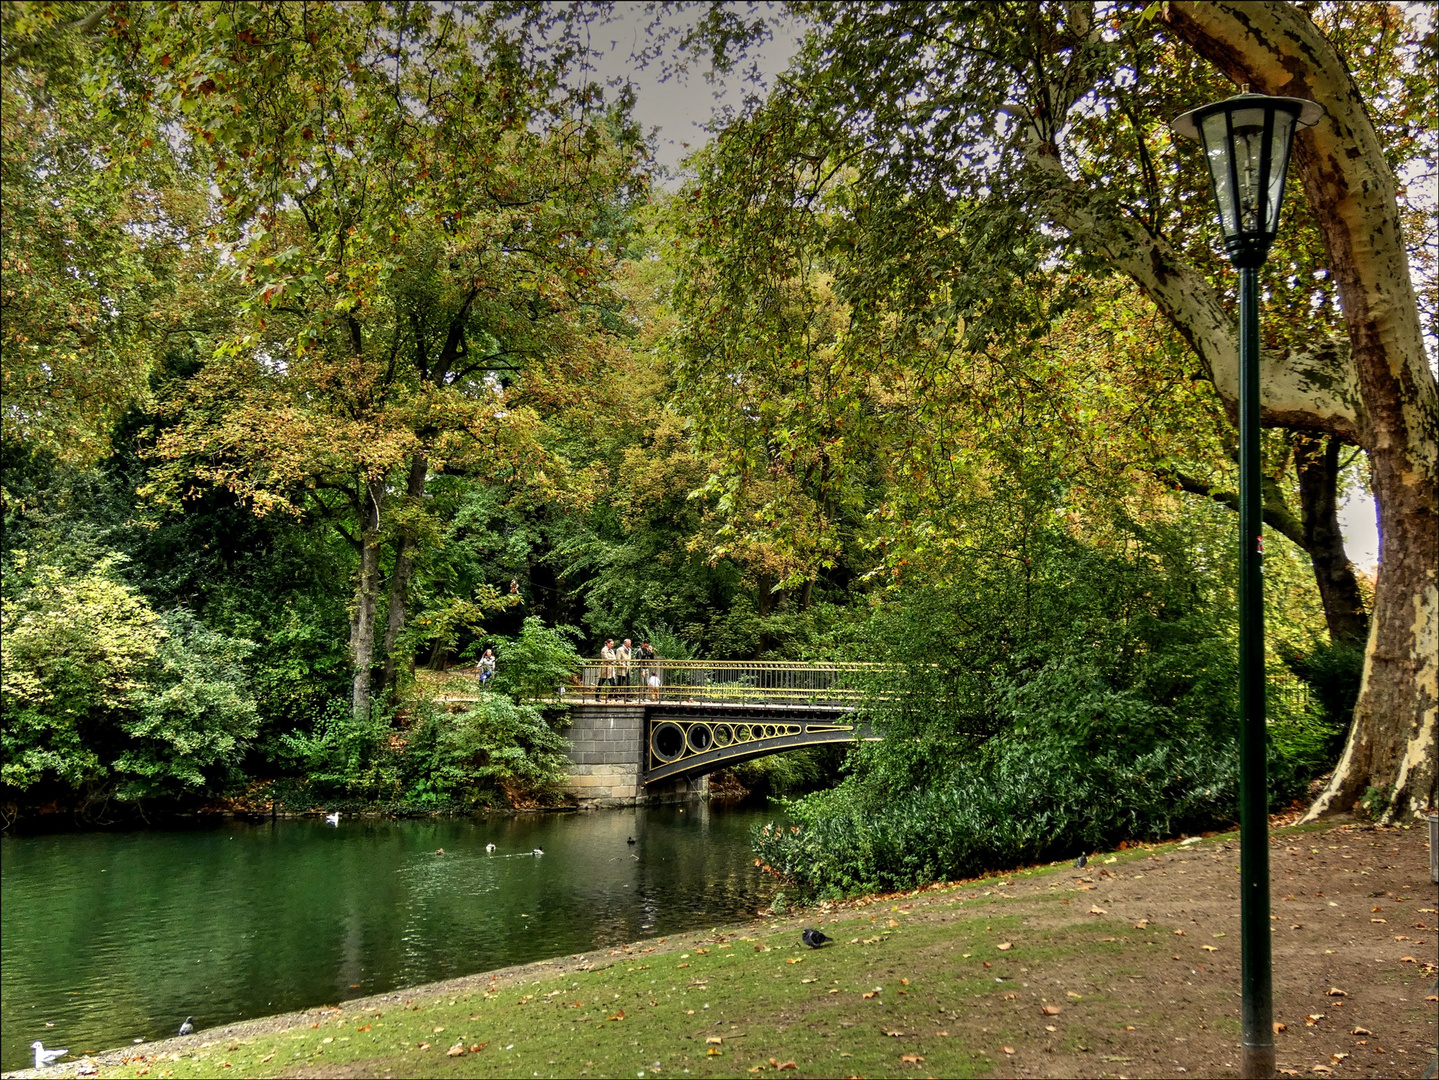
{"x": 113, "y": 936}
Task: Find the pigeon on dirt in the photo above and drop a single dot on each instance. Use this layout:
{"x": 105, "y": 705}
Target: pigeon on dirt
{"x": 814, "y": 938}
{"x": 188, "y": 1027}
{"x": 1081, "y": 862}
{"x": 44, "y": 1057}
{"x": 631, "y": 840}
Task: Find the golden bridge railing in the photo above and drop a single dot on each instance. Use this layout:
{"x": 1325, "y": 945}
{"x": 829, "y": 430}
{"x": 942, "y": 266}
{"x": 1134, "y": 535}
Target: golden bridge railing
{"x": 710, "y": 682}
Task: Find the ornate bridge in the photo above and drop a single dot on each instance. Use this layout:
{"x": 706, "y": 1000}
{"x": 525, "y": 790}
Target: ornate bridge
{"x": 661, "y": 726}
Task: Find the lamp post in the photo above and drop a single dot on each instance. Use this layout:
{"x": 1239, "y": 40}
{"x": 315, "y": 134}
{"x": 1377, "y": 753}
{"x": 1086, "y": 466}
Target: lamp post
{"x": 1246, "y": 141}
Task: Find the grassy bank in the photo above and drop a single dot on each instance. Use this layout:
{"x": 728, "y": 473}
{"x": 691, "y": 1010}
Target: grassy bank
{"x": 1129, "y": 967}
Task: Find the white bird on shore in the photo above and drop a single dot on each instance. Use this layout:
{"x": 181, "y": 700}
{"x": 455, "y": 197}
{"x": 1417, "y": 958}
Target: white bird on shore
{"x": 44, "y": 1057}
{"x": 490, "y": 848}
{"x": 333, "y": 819}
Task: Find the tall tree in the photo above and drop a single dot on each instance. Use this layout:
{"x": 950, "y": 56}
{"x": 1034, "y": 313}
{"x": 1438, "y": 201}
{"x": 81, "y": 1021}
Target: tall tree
{"x": 420, "y": 217}
{"x": 992, "y": 141}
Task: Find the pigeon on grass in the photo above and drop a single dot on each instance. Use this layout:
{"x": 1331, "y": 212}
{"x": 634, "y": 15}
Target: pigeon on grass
{"x": 188, "y": 1027}
{"x": 814, "y": 938}
{"x": 43, "y": 1057}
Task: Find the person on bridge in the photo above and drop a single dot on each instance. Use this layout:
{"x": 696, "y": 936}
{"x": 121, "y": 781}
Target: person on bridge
{"x": 607, "y": 669}
{"x": 649, "y": 674}
{"x": 623, "y": 674}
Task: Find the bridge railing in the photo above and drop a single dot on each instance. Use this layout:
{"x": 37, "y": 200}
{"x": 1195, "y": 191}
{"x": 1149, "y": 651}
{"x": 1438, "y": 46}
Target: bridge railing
{"x": 715, "y": 682}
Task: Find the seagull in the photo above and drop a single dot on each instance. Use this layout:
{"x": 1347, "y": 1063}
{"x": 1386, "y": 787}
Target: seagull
{"x": 44, "y": 1057}
{"x": 188, "y": 1027}
{"x": 813, "y": 938}
{"x": 490, "y": 847}
{"x": 333, "y": 819}
{"x": 538, "y": 851}
{"x": 1080, "y": 862}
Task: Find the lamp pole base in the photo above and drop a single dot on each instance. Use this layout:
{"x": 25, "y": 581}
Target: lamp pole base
{"x": 1257, "y": 1063}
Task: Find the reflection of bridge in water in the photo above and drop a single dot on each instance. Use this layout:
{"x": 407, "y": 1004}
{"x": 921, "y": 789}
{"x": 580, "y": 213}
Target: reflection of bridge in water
{"x": 658, "y": 728}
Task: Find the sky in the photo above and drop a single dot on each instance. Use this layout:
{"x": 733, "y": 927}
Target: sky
{"x": 676, "y": 107}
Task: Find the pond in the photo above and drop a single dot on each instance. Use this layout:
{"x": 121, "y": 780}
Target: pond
{"x": 113, "y": 936}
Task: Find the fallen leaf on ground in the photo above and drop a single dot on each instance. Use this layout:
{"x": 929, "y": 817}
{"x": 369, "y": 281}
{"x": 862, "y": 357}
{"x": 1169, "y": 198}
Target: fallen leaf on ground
{"x": 783, "y": 1065}
{"x": 1408, "y": 960}
{"x": 869, "y": 994}
{"x": 1097, "y": 911}
{"x": 1007, "y": 1049}
{"x": 1005, "y": 946}
{"x": 1210, "y": 948}
{"x": 363, "y": 1027}
{"x": 913, "y": 1059}
{"x": 715, "y": 1040}
{"x": 1141, "y": 924}
{"x": 455, "y": 1051}
{"x": 1312, "y": 1019}
{"x": 1051, "y": 1010}
{"x": 1278, "y": 1027}
{"x": 1361, "y": 1031}
{"x": 1179, "y": 932}
{"x": 617, "y": 1016}
{"x": 1334, "y": 991}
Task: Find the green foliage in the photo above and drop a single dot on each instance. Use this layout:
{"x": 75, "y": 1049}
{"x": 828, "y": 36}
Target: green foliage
{"x": 538, "y": 662}
{"x": 496, "y": 744}
{"x": 345, "y": 754}
{"x": 104, "y": 696}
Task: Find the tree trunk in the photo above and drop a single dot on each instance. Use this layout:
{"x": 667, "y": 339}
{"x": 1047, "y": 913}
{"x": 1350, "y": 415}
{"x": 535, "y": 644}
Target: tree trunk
{"x": 1317, "y": 464}
{"x": 367, "y": 597}
{"x": 404, "y": 568}
{"x": 1278, "y": 49}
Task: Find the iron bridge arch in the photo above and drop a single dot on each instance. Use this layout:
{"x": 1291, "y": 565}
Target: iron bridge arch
{"x": 683, "y": 743}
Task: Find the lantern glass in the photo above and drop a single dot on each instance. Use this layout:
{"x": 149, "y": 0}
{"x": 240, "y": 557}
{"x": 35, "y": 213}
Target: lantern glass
{"x": 1246, "y": 142}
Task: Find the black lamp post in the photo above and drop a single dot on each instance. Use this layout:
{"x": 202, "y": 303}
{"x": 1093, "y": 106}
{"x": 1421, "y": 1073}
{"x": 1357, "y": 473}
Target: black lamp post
{"x": 1246, "y": 141}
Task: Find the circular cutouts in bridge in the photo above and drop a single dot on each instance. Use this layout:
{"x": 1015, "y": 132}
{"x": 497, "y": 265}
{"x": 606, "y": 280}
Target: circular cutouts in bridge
{"x": 756, "y": 731}
{"x": 701, "y": 738}
{"x": 724, "y": 734}
{"x": 667, "y": 741}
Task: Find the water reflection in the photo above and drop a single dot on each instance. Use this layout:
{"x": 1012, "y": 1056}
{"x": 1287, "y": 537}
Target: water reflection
{"x": 116, "y": 936}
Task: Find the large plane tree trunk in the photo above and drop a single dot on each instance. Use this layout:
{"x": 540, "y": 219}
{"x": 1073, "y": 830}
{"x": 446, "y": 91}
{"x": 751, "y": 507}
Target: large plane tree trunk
{"x": 1391, "y": 749}
{"x": 404, "y": 568}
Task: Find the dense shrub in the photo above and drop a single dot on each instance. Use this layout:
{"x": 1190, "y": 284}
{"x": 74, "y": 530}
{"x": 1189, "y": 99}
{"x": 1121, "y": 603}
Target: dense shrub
{"x": 103, "y": 696}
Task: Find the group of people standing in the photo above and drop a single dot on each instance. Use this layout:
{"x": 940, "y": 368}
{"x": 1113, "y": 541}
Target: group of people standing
{"x": 625, "y": 667}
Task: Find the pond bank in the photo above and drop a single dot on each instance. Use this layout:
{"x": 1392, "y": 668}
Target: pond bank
{"x": 1129, "y": 967}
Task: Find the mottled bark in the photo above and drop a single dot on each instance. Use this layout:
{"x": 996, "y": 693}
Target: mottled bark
{"x": 367, "y": 597}
{"x": 1277, "y": 49}
{"x": 1317, "y": 463}
{"x": 399, "y": 594}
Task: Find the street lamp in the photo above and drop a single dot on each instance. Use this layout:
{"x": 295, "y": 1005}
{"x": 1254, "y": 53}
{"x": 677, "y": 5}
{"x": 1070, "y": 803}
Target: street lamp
{"x": 1246, "y": 141}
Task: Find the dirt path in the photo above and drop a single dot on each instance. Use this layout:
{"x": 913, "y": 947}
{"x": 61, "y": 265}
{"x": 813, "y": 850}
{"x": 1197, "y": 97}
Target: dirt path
{"x": 1129, "y": 967}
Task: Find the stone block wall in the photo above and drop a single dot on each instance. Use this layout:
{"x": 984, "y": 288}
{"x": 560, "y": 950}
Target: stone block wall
{"x": 607, "y": 747}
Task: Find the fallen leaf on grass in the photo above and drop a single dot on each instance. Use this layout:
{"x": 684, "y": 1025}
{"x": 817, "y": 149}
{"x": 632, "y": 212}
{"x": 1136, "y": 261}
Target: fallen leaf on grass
{"x": 456, "y": 1050}
{"x": 267, "y": 1057}
{"x": 1179, "y": 932}
{"x": 1051, "y": 1010}
{"x": 1141, "y": 924}
{"x": 1007, "y": 1049}
{"x": 869, "y": 994}
{"x": 782, "y": 1065}
{"x": 422, "y": 1046}
{"x": 912, "y": 1059}
{"x": 715, "y": 1040}
{"x": 363, "y": 1027}
{"x": 1096, "y": 910}
{"x": 903, "y": 982}
{"x": 1005, "y": 946}
{"x": 617, "y": 1016}
{"x": 794, "y": 960}
{"x": 1075, "y": 996}
{"x": 713, "y": 1051}
{"x": 942, "y": 1034}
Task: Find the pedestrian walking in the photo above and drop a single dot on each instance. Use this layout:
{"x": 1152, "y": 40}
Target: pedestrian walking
{"x": 607, "y": 668}
{"x": 623, "y": 672}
